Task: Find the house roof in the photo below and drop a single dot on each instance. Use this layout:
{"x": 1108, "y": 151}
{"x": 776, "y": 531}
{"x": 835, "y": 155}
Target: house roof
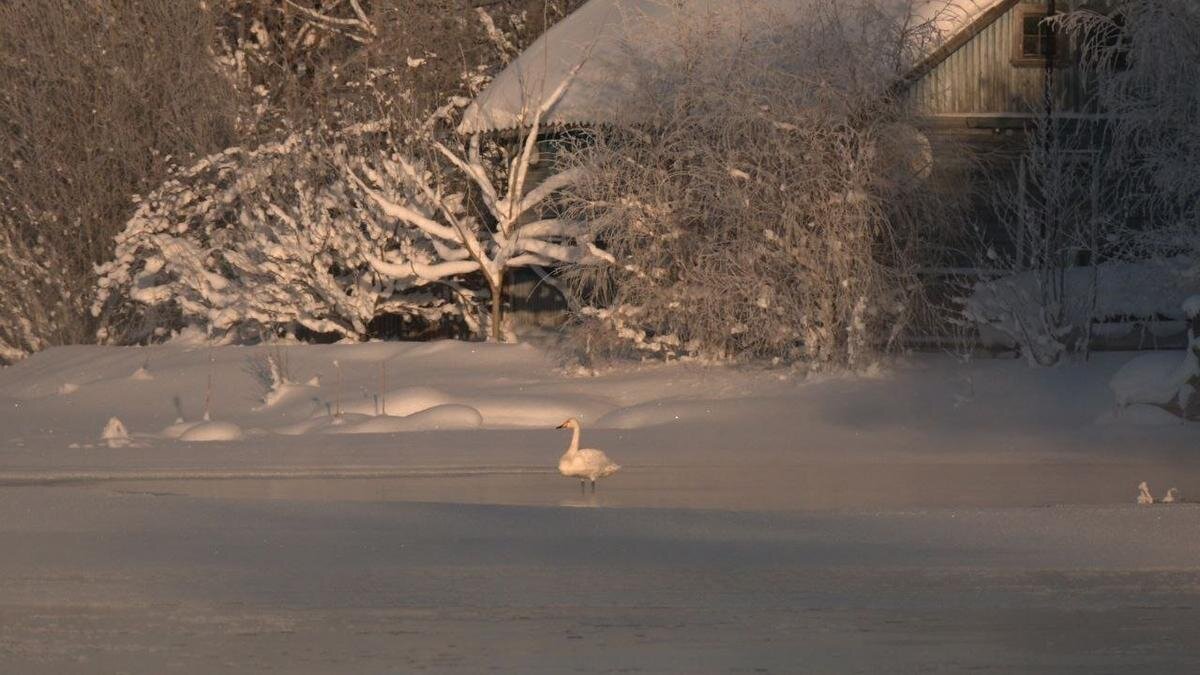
{"x": 602, "y": 34}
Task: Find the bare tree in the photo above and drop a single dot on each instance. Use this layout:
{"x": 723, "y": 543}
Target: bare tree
{"x": 1041, "y": 266}
{"x": 97, "y": 100}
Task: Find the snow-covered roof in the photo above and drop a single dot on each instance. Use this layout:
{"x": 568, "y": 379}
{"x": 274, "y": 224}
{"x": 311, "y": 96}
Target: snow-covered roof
{"x": 599, "y": 35}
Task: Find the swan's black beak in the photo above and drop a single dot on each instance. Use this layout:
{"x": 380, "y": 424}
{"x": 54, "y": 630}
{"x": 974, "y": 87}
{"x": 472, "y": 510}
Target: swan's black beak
{"x": 561, "y": 426}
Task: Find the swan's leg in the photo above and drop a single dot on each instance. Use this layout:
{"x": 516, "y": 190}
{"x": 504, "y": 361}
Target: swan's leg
{"x": 582, "y": 486}
{"x": 593, "y": 486}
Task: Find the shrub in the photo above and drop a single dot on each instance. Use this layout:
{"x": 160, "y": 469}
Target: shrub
{"x": 774, "y": 201}
{"x": 96, "y": 98}
{"x": 248, "y": 243}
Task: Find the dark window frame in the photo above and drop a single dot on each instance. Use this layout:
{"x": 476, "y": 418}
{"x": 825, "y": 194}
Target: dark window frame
{"x": 1023, "y": 59}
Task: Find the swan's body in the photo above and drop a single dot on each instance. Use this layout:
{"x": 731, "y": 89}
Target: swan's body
{"x": 584, "y": 463}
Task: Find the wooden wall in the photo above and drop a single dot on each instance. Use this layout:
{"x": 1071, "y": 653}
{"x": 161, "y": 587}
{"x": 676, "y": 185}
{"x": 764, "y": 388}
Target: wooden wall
{"x": 979, "y": 78}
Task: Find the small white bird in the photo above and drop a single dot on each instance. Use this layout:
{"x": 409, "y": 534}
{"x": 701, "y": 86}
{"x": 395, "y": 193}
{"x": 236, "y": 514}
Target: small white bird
{"x": 586, "y": 464}
{"x": 1171, "y": 497}
{"x": 1144, "y": 497}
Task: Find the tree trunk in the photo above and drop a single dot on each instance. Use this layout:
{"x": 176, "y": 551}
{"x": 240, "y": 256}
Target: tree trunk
{"x": 498, "y": 308}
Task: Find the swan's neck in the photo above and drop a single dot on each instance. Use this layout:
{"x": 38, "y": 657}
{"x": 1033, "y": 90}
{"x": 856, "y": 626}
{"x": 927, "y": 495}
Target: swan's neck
{"x": 574, "y": 440}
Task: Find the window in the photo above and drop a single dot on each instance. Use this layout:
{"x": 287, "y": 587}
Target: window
{"x": 1035, "y": 40}
{"x": 1036, "y": 37}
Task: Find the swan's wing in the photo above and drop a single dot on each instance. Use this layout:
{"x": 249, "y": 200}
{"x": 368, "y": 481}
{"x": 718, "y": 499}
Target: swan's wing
{"x": 596, "y": 459}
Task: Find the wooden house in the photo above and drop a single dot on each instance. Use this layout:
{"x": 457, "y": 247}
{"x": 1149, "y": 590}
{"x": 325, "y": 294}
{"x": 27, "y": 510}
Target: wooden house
{"x": 988, "y": 66}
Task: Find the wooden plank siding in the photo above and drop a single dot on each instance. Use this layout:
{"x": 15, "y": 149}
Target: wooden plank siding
{"x": 980, "y": 77}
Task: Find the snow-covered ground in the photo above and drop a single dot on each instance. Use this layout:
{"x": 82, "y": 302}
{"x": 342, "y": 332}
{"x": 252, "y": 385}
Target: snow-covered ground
{"x": 934, "y": 516}
{"x": 472, "y": 408}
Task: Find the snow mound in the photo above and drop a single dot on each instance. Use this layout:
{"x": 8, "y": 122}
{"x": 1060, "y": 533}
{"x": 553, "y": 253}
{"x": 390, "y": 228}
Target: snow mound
{"x": 205, "y": 432}
{"x": 437, "y": 418}
{"x": 323, "y": 423}
{"x": 536, "y": 411}
{"x": 1141, "y": 415}
{"x": 408, "y": 400}
{"x": 115, "y": 434}
{"x": 177, "y": 429}
{"x": 142, "y": 374}
{"x": 286, "y": 392}
{"x": 1154, "y": 378}
{"x": 1191, "y": 306}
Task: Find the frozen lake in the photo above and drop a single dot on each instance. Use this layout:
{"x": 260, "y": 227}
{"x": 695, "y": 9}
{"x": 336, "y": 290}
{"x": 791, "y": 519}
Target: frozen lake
{"x": 941, "y": 517}
{"x": 753, "y": 487}
{"x": 356, "y": 575}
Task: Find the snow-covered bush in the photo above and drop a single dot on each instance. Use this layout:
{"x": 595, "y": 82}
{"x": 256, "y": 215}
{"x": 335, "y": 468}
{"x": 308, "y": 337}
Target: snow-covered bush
{"x": 776, "y": 201}
{"x": 248, "y": 242}
{"x": 1054, "y": 219}
{"x": 328, "y": 237}
{"x": 1152, "y": 380}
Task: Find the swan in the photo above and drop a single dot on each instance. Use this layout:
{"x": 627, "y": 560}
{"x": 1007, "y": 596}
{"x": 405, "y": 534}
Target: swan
{"x": 1144, "y": 497}
{"x": 584, "y": 464}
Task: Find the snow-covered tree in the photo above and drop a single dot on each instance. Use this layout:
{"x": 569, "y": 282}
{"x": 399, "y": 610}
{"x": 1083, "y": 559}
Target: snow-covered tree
{"x": 523, "y": 228}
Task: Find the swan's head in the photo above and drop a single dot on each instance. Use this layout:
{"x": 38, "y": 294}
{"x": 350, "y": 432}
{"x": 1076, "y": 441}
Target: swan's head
{"x": 569, "y": 424}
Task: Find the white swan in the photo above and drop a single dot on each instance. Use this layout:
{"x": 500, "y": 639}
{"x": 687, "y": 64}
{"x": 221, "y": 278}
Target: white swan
{"x": 1144, "y": 497}
{"x": 585, "y": 464}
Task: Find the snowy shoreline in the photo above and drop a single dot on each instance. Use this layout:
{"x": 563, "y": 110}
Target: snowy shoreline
{"x": 991, "y": 425}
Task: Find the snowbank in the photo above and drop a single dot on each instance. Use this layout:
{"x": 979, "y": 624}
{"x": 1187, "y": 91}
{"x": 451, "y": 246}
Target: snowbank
{"x": 207, "y": 432}
{"x": 462, "y": 406}
{"x": 435, "y": 418}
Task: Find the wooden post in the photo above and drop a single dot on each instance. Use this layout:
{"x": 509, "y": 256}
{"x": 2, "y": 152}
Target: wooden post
{"x": 383, "y": 387}
{"x": 337, "y": 409}
{"x": 208, "y": 389}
